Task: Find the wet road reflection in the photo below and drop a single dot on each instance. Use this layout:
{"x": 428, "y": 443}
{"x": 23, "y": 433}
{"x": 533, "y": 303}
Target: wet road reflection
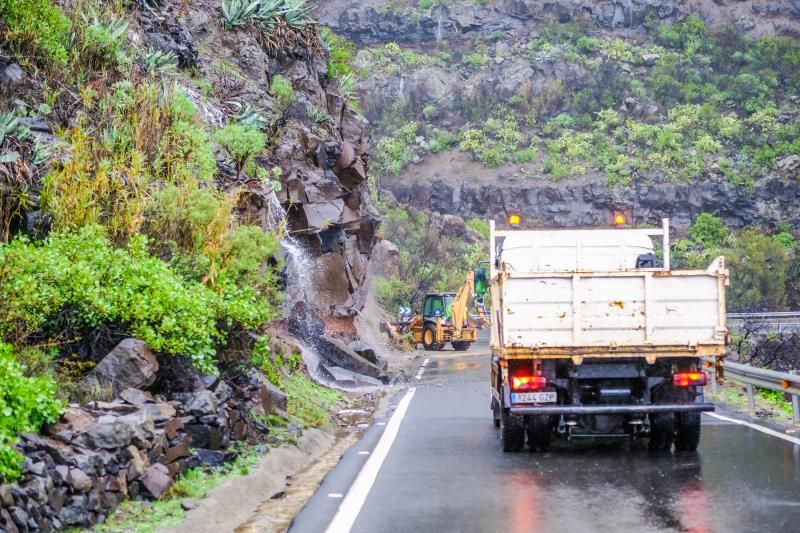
{"x": 446, "y": 472}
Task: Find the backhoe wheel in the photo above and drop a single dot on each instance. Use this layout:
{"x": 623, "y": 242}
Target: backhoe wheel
{"x": 512, "y": 432}
{"x": 687, "y": 431}
{"x": 429, "y": 337}
{"x": 662, "y": 432}
{"x": 539, "y": 433}
{"x": 461, "y": 346}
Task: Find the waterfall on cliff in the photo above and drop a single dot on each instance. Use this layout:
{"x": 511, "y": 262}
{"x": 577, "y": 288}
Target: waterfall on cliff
{"x": 298, "y": 262}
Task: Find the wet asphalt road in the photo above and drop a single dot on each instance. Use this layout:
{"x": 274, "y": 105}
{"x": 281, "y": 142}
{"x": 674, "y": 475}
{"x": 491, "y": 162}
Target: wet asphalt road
{"x": 446, "y": 472}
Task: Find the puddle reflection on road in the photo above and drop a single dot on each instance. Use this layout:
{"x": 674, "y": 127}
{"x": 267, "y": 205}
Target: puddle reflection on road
{"x": 615, "y": 486}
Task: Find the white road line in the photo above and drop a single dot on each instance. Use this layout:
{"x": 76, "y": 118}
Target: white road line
{"x": 335, "y": 495}
{"x": 422, "y": 369}
{"x": 757, "y": 427}
{"x": 351, "y": 505}
{"x": 363, "y": 453}
{"x": 381, "y": 423}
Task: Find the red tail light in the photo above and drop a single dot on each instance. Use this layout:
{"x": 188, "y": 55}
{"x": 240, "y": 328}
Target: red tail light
{"x": 689, "y": 379}
{"x": 521, "y": 383}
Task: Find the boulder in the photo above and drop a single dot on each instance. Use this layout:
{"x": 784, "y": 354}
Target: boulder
{"x": 201, "y": 403}
{"x": 136, "y": 397}
{"x": 364, "y": 350}
{"x": 329, "y": 281}
{"x": 340, "y": 354}
{"x": 385, "y": 260}
{"x": 130, "y": 364}
{"x": 348, "y": 378}
{"x": 322, "y": 214}
{"x": 111, "y": 432}
{"x": 157, "y": 480}
{"x": 79, "y": 481}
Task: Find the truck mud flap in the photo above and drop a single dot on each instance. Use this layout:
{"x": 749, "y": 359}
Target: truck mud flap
{"x": 610, "y": 409}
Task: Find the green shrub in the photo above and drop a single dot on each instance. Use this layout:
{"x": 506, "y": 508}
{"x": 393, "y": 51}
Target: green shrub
{"x": 37, "y": 25}
{"x": 242, "y": 143}
{"x": 341, "y": 53}
{"x": 281, "y": 89}
{"x": 80, "y": 280}
{"x": 476, "y": 61}
{"x": 26, "y": 403}
{"x": 480, "y": 226}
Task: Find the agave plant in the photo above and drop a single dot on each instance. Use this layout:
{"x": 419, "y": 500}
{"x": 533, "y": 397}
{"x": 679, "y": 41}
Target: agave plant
{"x": 319, "y": 116}
{"x": 297, "y": 12}
{"x": 249, "y": 116}
{"x": 268, "y": 10}
{"x": 348, "y": 87}
{"x": 238, "y": 12}
{"x": 159, "y": 61}
{"x": 9, "y": 124}
{"x": 104, "y": 37}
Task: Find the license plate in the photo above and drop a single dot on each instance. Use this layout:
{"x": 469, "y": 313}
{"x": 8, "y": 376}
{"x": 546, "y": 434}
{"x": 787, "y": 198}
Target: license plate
{"x": 533, "y": 397}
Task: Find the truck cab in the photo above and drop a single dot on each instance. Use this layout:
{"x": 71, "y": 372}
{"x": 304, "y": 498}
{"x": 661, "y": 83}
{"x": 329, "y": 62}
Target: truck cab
{"x": 592, "y": 337}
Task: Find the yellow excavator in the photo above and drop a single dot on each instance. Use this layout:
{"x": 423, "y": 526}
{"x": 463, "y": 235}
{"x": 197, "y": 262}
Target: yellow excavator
{"x": 444, "y": 317}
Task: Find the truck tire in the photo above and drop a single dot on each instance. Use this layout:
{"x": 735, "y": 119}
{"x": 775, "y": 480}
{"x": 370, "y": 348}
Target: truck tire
{"x": 539, "y": 433}
{"x": 662, "y": 432}
{"x": 495, "y": 414}
{"x": 687, "y": 432}
{"x": 461, "y": 346}
{"x": 512, "y": 432}
{"x": 429, "y": 337}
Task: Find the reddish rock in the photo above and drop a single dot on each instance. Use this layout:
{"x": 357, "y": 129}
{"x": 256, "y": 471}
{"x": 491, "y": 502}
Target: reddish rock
{"x": 157, "y": 480}
{"x": 172, "y": 426}
{"x": 79, "y": 481}
{"x": 179, "y": 450}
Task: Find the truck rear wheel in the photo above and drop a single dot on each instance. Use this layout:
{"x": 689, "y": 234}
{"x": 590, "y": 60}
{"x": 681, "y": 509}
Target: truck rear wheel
{"x": 539, "y": 433}
{"x": 461, "y": 346}
{"x": 662, "y": 432}
{"x": 512, "y": 432}
{"x": 495, "y": 414}
{"x": 687, "y": 431}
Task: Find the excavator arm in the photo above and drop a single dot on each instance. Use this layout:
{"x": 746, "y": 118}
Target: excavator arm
{"x": 460, "y": 303}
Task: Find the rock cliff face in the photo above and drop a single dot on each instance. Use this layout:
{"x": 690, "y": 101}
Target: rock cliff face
{"x": 446, "y": 94}
{"x": 377, "y": 21}
{"x": 773, "y": 201}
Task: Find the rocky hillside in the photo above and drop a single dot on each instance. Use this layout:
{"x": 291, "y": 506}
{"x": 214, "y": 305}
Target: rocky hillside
{"x": 190, "y": 180}
{"x": 565, "y": 111}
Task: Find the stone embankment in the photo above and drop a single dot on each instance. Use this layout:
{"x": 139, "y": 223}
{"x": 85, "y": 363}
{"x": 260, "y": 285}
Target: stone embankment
{"x": 102, "y": 452}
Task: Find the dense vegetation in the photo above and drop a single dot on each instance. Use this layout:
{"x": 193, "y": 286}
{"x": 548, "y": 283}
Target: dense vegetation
{"x": 128, "y": 225}
{"x": 713, "y": 102}
{"x": 428, "y": 260}
{"x": 765, "y": 269}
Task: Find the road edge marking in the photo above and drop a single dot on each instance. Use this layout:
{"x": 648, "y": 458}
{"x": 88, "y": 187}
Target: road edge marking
{"x": 422, "y": 369}
{"x": 757, "y": 427}
{"x": 354, "y": 500}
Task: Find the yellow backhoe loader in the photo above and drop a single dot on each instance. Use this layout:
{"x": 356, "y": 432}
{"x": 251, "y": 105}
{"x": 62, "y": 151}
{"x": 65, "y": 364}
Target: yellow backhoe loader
{"x": 444, "y": 318}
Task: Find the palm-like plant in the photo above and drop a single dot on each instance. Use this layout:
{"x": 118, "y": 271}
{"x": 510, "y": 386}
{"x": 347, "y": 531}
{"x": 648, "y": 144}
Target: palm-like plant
{"x": 238, "y": 12}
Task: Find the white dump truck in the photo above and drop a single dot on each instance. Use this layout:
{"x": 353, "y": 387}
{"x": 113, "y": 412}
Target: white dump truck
{"x": 594, "y": 335}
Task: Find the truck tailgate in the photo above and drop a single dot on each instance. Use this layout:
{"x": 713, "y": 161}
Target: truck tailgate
{"x": 636, "y": 308}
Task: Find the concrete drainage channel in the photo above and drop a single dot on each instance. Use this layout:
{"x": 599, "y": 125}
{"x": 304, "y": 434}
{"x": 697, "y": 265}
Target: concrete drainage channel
{"x": 268, "y": 499}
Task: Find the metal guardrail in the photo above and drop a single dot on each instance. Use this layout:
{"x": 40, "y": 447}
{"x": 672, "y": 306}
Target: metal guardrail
{"x": 764, "y": 316}
{"x": 778, "y": 322}
{"x": 759, "y": 377}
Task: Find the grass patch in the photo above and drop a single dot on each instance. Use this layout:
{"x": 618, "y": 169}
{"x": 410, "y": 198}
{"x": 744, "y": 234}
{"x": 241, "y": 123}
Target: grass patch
{"x": 148, "y": 517}
{"x": 143, "y": 517}
{"x": 309, "y": 402}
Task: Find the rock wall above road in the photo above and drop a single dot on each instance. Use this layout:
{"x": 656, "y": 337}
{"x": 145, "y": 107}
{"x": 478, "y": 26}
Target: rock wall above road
{"x": 377, "y": 21}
